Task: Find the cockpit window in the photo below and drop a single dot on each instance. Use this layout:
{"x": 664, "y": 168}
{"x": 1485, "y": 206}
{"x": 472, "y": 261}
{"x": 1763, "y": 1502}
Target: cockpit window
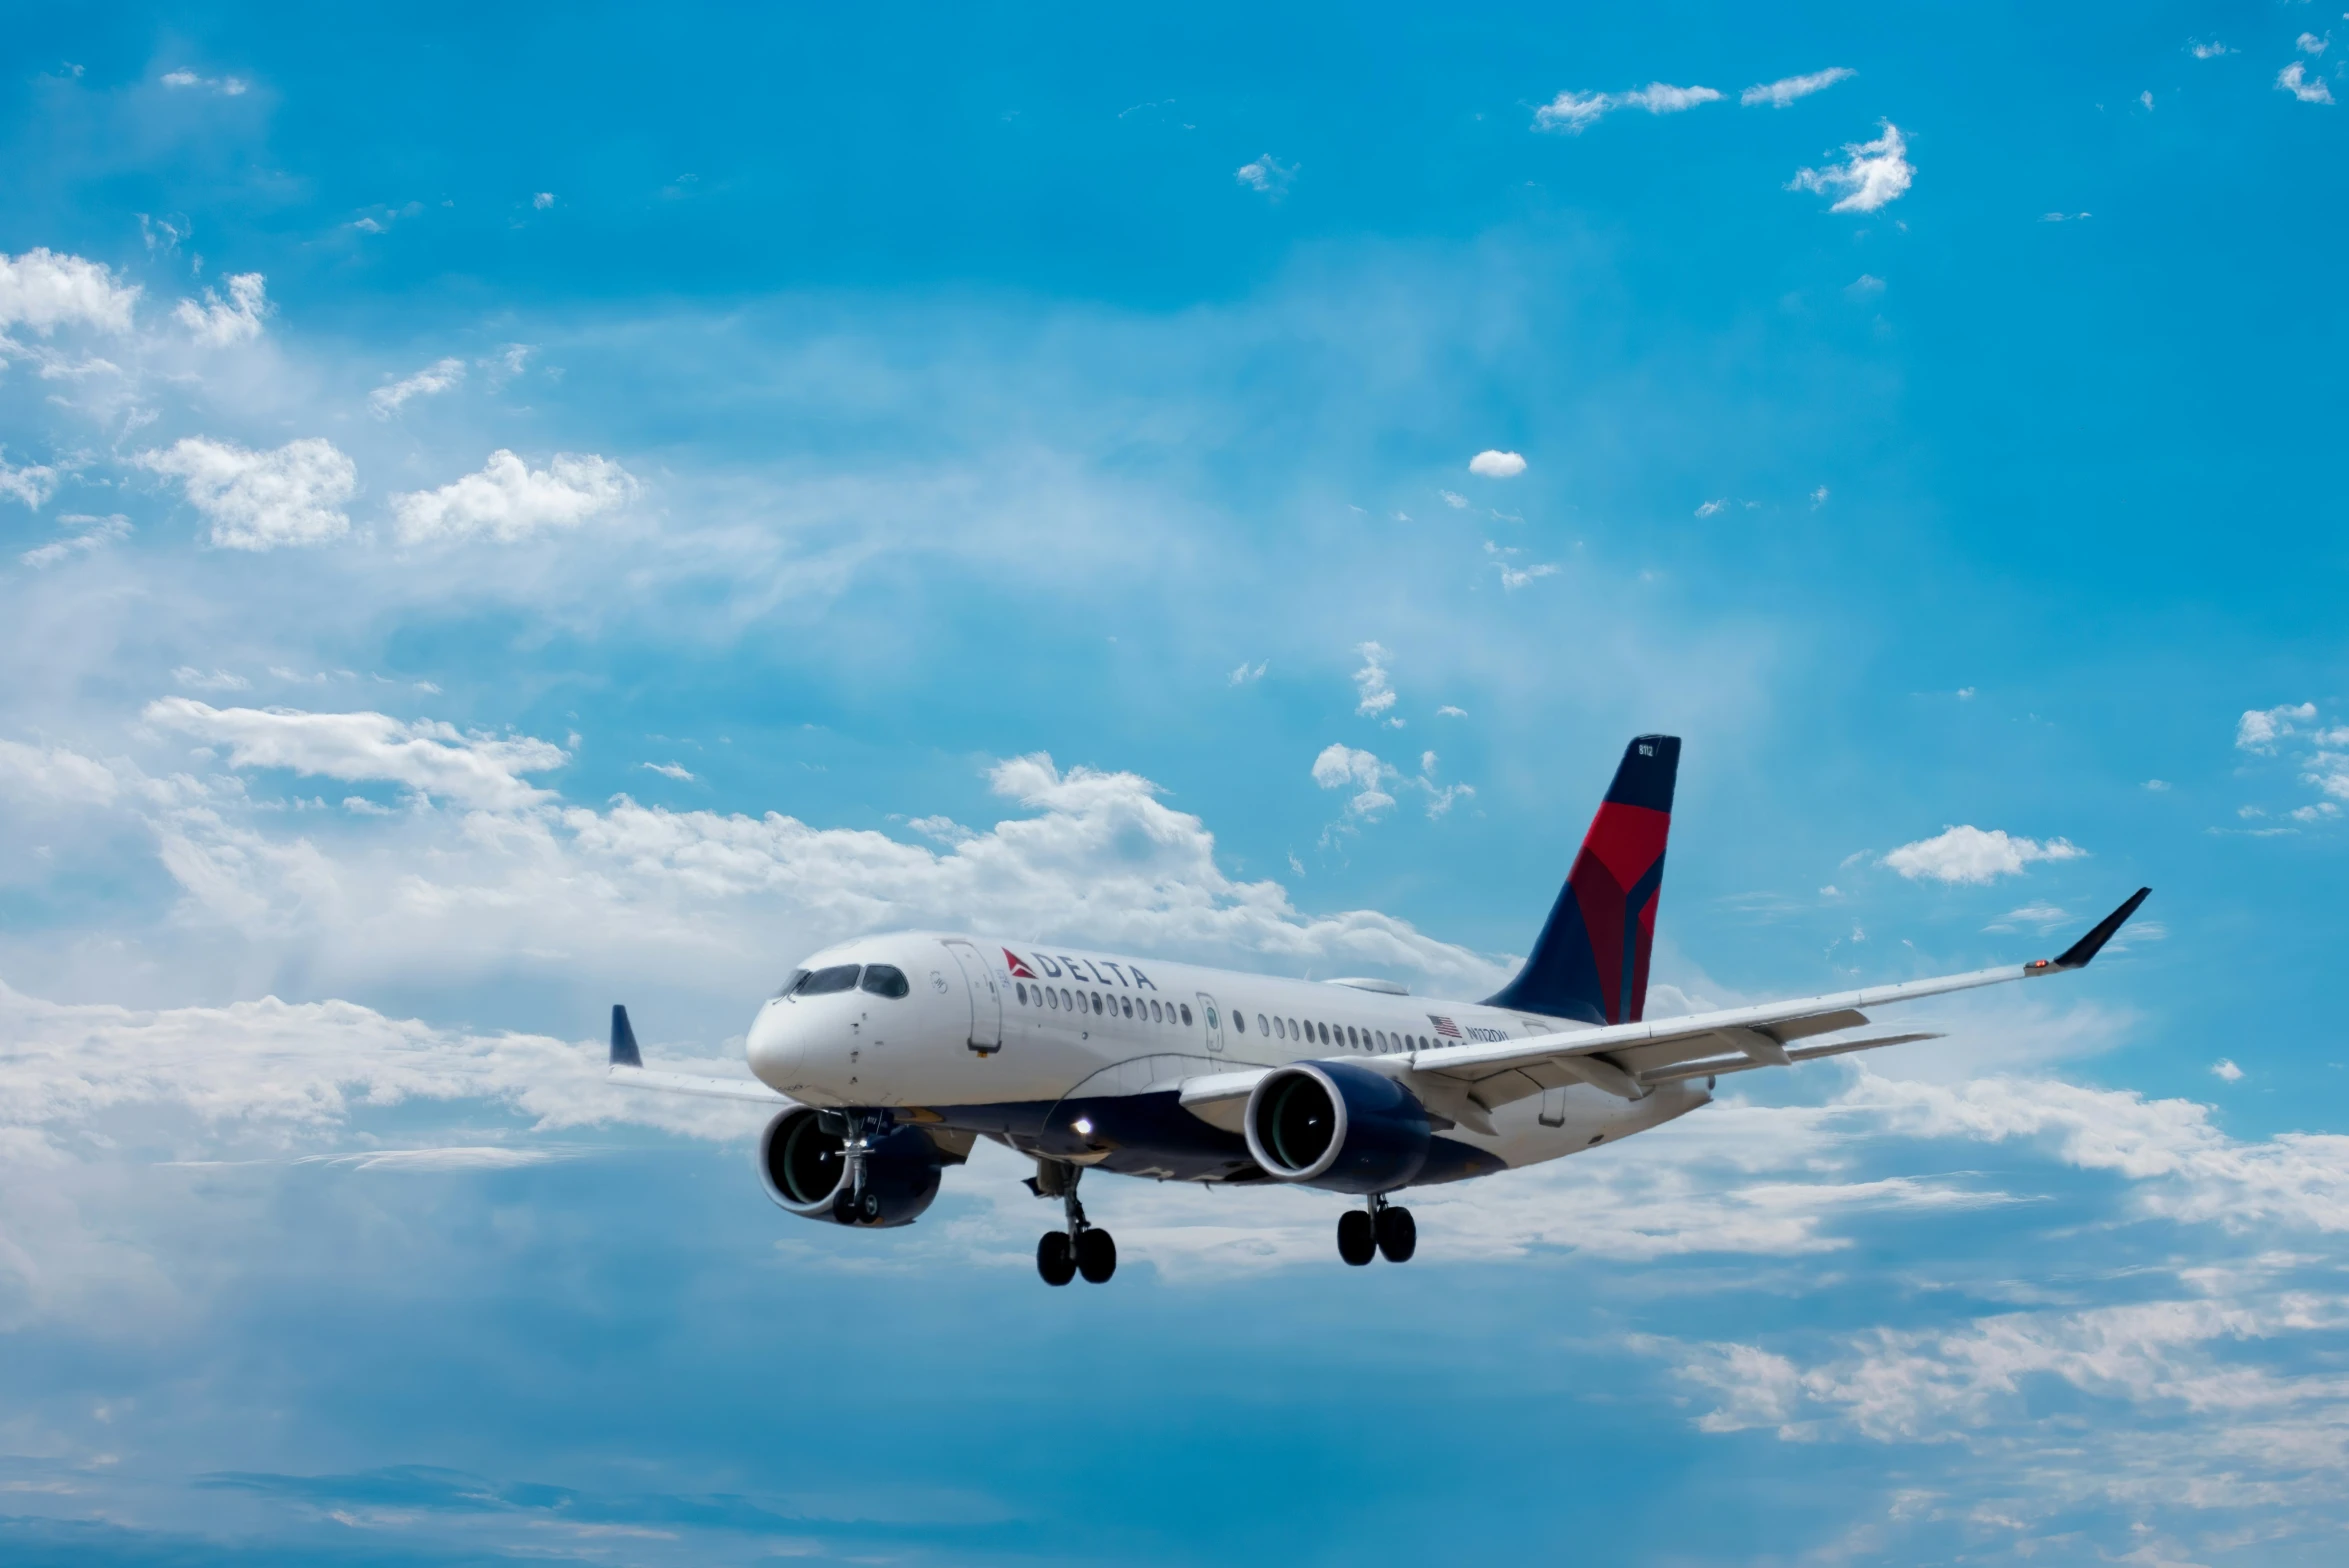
{"x": 822, "y": 982}
{"x": 886, "y": 980}
{"x": 792, "y": 984}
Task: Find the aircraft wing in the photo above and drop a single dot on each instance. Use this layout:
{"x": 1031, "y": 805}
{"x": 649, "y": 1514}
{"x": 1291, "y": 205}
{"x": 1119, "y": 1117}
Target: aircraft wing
{"x": 628, "y": 1070}
{"x": 1466, "y": 1081}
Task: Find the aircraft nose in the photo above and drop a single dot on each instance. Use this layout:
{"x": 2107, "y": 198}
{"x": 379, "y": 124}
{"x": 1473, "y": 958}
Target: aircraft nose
{"x": 773, "y": 1046}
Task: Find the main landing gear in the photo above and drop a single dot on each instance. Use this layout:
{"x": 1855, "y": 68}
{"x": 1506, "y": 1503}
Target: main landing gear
{"x": 1061, "y": 1255}
{"x": 1382, "y": 1228}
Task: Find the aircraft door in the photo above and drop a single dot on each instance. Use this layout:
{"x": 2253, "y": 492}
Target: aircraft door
{"x": 985, "y": 994}
{"x": 1212, "y": 1017}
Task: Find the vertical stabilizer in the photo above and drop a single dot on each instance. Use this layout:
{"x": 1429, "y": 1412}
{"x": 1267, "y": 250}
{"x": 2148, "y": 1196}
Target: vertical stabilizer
{"x": 1591, "y": 961}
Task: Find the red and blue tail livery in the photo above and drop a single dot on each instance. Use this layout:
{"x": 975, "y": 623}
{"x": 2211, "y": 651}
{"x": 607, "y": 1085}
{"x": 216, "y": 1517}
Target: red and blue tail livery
{"x": 1591, "y": 961}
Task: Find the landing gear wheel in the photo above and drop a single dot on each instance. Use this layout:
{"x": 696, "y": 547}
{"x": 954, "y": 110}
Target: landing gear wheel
{"x": 1054, "y": 1260}
{"x": 1096, "y": 1256}
{"x": 1357, "y": 1241}
{"x": 1398, "y": 1234}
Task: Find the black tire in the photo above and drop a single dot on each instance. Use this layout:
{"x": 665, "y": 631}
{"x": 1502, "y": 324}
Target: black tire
{"x": 869, "y": 1207}
{"x": 1054, "y": 1260}
{"x": 1357, "y": 1243}
{"x": 1096, "y": 1256}
{"x": 1398, "y": 1234}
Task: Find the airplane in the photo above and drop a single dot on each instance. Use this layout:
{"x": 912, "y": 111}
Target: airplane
{"x": 888, "y": 1057}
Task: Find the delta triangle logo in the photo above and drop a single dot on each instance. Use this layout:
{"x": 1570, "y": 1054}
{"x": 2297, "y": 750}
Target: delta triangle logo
{"x": 1019, "y": 968}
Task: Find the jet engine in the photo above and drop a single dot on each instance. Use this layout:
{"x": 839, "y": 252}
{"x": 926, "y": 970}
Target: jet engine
{"x": 1336, "y": 1126}
{"x": 804, "y": 1167}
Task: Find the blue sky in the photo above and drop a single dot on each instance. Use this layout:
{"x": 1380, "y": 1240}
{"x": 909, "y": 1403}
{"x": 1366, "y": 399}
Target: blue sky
{"x": 506, "y": 513}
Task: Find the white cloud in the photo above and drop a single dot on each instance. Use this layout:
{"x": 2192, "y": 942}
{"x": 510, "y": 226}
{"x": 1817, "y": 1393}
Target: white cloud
{"x": 1871, "y": 175}
{"x": 2260, "y": 728}
{"x": 44, "y": 291}
{"x": 31, "y": 485}
{"x": 1370, "y": 682}
{"x": 670, "y": 770}
{"x": 1343, "y": 767}
{"x": 226, "y": 86}
{"x": 2310, "y": 44}
{"x": 1266, "y": 174}
{"x": 1663, "y": 98}
{"x": 431, "y": 759}
{"x": 1440, "y": 797}
{"x": 509, "y": 501}
{"x": 1454, "y": 499}
{"x": 2294, "y": 79}
{"x": 1818, "y": 498}
{"x": 91, "y": 535}
{"x": 2210, "y": 51}
{"x": 55, "y": 776}
{"x": 1968, "y": 854}
{"x": 219, "y": 680}
{"x": 1572, "y": 112}
{"x": 658, "y": 898}
{"x": 1516, "y": 577}
{"x": 1249, "y": 672}
{"x": 2158, "y": 786}
{"x": 1708, "y": 508}
{"x": 262, "y": 500}
{"x": 1447, "y": 711}
{"x": 1497, "y": 465}
{"x": 434, "y": 378}
{"x": 2226, "y": 1070}
{"x": 543, "y": 200}
{"x": 218, "y": 324}
{"x": 1787, "y": 89}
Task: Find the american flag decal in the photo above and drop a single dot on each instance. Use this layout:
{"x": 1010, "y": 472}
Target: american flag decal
{"x": 1445, "y": 1027}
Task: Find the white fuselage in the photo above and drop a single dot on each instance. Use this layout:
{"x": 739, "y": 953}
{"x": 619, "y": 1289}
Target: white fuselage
{"x": 997, "y": 1037}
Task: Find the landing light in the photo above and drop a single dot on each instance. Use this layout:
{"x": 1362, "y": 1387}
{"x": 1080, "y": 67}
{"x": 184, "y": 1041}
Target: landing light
{"x": 1084, "y": 1126}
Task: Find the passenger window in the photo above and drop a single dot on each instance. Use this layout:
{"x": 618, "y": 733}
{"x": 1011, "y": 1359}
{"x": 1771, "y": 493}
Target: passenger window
{"x": 1261, "y": 1026}
{"x": 792, "y": 984}
{"x": 886, "y": 980}
{"x": 1324, "y": 1028}
{"x": 1052, "y": 1001}
{"x": 1350, "y": 1040}
{"x": 1186, "y": 1013}
{"x": 823, "y": 982}
{"x": 1068, "y": 1001}
{"x": 1382, "y": 1039}
{"x": 1293, "y": 1032}
{"x": 1280, "y": 1031}
{"x": 1240, "y": 1023}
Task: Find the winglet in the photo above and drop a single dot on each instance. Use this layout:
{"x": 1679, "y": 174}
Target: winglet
{"x": 623, "y": 1041}
{"x": 2077, "y": 955}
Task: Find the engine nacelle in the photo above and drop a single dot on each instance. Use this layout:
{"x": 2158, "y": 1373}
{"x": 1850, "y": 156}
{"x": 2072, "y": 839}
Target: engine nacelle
{"x": 1337, "y": 1126}
{"x": 805, "y": 1170}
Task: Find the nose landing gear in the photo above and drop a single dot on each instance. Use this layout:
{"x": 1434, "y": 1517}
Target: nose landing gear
{"x": 1061, "y": 1255}
{"x": 1382, "y": 1228}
